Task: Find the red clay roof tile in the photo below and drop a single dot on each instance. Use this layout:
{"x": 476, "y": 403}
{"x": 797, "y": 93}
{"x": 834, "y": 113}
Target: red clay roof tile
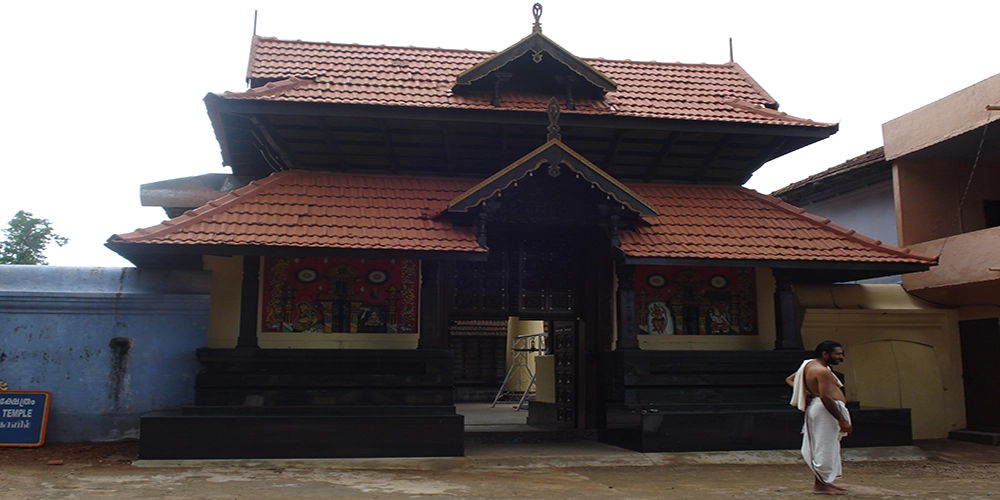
{"x": 332, "y": 210}
{"x": 311, "y": 209}
{"x": 731, "y": 222}
{"x": 401, "y": 76}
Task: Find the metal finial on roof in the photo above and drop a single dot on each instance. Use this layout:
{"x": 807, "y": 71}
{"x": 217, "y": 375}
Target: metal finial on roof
{"x": 536, "y": 10}
{"x": 553, "y": 128}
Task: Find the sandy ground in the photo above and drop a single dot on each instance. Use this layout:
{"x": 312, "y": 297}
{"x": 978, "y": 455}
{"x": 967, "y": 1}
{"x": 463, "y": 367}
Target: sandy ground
{"x": 104, "y": 471}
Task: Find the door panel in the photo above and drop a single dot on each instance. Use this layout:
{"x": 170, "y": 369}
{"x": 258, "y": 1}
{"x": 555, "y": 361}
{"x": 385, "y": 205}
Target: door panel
{"x": 980, "y": 350}
{"x": 564, "y": 351}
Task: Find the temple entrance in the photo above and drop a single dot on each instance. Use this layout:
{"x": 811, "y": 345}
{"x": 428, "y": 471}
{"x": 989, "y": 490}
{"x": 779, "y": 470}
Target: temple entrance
{"x": 555, "y": 278}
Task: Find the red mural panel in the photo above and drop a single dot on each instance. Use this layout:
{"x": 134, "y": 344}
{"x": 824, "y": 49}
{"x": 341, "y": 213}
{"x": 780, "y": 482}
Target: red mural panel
{"x": 328, "y": 295}
{"x": 674, "y": 300}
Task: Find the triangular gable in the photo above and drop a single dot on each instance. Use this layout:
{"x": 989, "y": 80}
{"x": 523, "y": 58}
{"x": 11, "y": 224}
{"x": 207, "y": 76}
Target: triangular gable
{"x": 536, "y": 52}
{"x": 555, "y": 154}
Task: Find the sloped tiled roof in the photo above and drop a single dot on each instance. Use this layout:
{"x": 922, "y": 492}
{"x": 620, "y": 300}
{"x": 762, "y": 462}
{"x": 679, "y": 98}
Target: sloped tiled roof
{"x": 732, "y": 222}
{"x": 854, "y": 173}
{"x": 300, "y": 209}
{"x": 319, "y": 210}
{"x": 301, "y": 71}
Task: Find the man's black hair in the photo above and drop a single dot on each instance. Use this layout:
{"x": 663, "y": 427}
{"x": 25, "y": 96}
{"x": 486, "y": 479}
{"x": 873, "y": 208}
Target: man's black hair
{"x": 826, "y": 346}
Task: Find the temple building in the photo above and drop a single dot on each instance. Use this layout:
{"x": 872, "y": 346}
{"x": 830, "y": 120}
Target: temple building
{"x": 393, "y": 213}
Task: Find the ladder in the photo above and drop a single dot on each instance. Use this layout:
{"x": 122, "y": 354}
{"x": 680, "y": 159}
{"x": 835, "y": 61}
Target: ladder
{"x": 523, "y": 347}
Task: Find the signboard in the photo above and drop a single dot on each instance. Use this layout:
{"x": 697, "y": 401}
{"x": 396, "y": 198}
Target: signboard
{"x": 23, "y": 417}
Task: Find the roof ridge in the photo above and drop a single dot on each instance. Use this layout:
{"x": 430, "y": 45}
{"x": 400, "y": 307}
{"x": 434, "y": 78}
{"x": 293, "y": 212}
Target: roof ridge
{"x": 656, "y": 63}
{"x": 843, "y": 231}
{"x": 372, "y": 46}
{"x": 860, "y": 161}
{"x": 191, "y": 216}
{"x": 587, "y": 60}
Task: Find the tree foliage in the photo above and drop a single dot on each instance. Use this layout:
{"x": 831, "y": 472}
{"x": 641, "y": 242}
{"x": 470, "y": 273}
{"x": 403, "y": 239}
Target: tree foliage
{"x": 26, "y": 238}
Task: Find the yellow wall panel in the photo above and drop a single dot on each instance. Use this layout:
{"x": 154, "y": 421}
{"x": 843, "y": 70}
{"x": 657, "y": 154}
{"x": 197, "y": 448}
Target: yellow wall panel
{"x": 901, "y": 352}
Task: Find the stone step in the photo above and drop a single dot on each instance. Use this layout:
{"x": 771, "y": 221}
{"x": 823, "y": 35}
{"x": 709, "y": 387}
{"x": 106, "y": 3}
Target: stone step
{"x": 523, "y": 433}
{"x": 172, "y": 436}
{"x": 979, "y": 437}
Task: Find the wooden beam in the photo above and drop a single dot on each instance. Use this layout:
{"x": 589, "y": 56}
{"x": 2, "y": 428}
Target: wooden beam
{"x": 712, "y": 156}
{"x": 765, "y": 155}
{"x": 504, "y": 135}
{"x": 333, "y": 144}
{"x": 609, "y": 157}
{"x": 389, "y": 147}
{"x": 446, "y": 139}
{"x": 662, "y": 154}
{"x": 402, "y": 113}
{"x": 628, "y": 330}
{"x": 274, "y": 141}
{"x": 265, "y": 152}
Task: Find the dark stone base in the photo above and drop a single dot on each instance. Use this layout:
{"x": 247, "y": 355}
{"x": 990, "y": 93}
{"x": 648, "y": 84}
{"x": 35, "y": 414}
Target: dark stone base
{"x": 978, "y": 437}
{"x": 313, "y": 403}
{"x": 476, "y": 394}
{"x": 175, "y": 436}
{"x": 502, "y": 434}
{"x": 746, "y": 430}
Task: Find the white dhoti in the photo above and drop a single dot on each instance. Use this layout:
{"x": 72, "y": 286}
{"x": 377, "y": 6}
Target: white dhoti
{"x": 821, "y": 440}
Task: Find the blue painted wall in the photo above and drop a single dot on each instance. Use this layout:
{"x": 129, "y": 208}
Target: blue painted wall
{"x": 870, "y": 211}
{"x": 110, "y": 343}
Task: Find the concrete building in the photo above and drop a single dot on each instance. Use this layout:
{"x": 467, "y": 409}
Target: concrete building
{"x": 933, "y": 188}
{"x": 946, "y": 175}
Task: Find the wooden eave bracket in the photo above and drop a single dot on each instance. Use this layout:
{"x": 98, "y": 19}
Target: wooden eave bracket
{"x": 535, "y": 43}
{"x": 553, "y": 153}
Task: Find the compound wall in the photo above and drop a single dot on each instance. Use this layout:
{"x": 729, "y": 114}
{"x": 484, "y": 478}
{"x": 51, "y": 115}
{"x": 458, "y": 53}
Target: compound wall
{"x": 110, "y": 343}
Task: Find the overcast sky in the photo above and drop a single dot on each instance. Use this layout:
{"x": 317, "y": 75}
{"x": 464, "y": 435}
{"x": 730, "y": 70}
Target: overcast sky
{"x": 98, "y": 98}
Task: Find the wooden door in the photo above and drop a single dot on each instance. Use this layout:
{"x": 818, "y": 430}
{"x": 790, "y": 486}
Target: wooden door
{"x": 980, "y": 350}
{"x": 564, "y": 348}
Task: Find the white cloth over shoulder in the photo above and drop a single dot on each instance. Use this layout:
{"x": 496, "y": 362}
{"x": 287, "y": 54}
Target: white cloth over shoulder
{"x": 799, "y": 391}
{"x": 821, "y": 440}
{"x": 799, "y": 387}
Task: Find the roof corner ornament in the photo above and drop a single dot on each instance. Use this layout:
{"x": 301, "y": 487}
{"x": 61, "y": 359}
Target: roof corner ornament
{"x": 553, "y": 128}
{"x": 536, "y": 10}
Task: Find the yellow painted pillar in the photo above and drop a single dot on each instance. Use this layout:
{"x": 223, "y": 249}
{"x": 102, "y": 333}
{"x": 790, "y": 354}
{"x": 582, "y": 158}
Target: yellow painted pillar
{"x": 516, "y": 327}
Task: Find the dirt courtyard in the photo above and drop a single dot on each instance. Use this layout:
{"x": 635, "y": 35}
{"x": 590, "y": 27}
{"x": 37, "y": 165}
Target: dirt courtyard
{"x": 104, "y": 471}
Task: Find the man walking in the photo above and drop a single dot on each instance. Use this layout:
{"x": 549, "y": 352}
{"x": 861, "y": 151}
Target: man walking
{"x": 817, "y": 392}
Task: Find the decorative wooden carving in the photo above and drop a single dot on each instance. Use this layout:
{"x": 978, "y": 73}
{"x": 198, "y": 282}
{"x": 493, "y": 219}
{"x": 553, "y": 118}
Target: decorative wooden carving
{"x": 546, "y": 279}
{"x": 628, "y": 331}
{"x": 553, "y": 128}
{"x": 481, "y": 287}
{"x": 564, "y": 349}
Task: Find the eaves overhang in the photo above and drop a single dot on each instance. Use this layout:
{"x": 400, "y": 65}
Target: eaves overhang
{"x": 800, "y": 271}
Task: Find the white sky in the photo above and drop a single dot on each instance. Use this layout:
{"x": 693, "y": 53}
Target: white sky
{"x": 97, "y": 98}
